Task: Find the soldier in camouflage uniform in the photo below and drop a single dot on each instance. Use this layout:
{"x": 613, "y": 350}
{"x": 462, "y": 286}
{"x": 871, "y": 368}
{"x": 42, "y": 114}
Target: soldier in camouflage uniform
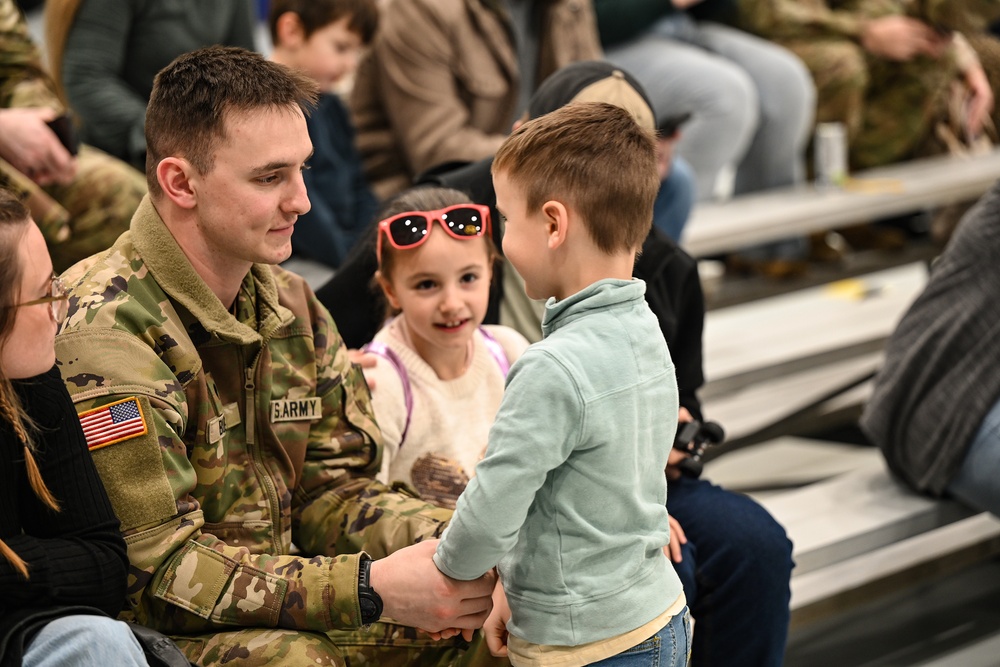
{"x": 244, "y": 428}
{"x": 889, "y": 103}
{"x": 85, "y": 202}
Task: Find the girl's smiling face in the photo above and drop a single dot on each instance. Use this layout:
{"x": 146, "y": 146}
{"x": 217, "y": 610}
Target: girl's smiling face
{"x": 442, "y": 289}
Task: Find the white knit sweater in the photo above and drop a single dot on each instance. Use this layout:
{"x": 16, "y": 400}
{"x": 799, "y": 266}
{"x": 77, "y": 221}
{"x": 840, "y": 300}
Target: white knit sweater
{"x": 450, "y": 419}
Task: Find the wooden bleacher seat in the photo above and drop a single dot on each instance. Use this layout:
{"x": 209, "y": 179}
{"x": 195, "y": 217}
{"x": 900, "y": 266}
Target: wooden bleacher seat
{"x": 906, "y": 187}
{"x": 858, "y": 534}
{"x": 770, "y": 359}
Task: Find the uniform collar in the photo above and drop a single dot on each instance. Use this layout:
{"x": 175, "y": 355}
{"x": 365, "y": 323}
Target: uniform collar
{"x": 174, "y": 274}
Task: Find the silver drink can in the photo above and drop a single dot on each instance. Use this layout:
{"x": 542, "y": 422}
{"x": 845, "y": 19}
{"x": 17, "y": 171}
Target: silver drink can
{"x": 830, "y": 152}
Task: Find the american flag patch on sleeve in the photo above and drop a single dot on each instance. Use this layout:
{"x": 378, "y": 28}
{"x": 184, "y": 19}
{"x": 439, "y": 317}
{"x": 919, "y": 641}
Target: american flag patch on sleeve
{"x": 113, "y": 423}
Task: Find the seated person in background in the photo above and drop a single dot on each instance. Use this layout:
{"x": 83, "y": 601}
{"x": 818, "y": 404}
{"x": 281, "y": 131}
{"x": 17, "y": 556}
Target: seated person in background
{"x": 255, "y": 431}
{"x": 882, "y": 71}
{"x": 751, "y": 101}
{"x": 568, "y": 502}
{"x": 453, "y": 94}
{"x": 62, "y": 560}
{"x": 105, "y": 53}
{"x": 935, "y": 409}
{"x": 81, "y": 202}
{"x": 736, "y": 555}
{"x": 440, "y": 375}
{"x": 323, "y": 38}
{"x": 451, "y": 97}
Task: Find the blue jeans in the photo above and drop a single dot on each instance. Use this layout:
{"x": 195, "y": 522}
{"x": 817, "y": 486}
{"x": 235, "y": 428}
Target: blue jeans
{"x": 976, "y": 483}
{"x": 735, "y": 569}
{"x": 670, "y": 647}
{"x": 674, "y": 200}
{"x": 84, "y": 641}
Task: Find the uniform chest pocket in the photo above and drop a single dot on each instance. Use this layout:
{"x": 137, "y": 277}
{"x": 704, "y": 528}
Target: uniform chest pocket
{"x": 216, "y": 418}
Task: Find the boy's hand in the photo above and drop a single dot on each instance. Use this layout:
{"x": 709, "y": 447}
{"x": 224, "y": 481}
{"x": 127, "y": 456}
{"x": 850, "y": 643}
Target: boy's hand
{"x": 495, "y": 628}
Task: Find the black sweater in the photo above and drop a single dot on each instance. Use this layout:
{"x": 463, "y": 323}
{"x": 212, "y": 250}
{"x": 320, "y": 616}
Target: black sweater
{"x": 76, "y": 556}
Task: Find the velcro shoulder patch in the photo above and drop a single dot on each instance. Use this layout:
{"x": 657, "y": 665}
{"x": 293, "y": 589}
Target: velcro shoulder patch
{"x": 113, "y": 423}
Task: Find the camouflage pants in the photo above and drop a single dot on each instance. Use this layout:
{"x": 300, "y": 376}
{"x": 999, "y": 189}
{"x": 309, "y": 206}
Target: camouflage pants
{"x": 889, "y": 108}
{"x": 382, "y": 645}
{"x": 100, "y": 202}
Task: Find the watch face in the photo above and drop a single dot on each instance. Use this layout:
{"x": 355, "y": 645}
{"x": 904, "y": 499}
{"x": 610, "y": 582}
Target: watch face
{"x": 367, "y": 607}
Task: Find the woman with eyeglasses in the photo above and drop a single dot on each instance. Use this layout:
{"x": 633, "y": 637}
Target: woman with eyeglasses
{"x": 62, "y": 559}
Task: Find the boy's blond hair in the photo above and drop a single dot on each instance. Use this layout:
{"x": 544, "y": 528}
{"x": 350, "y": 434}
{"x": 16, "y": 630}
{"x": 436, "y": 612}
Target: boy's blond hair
{"x": 593, "y": 157}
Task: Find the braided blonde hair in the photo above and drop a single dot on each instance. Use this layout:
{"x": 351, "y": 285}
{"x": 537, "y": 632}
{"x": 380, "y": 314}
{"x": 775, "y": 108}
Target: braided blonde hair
{"x": 14, "y": 219}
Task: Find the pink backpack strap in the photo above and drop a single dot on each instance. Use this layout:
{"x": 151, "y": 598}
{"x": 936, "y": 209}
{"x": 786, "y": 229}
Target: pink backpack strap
{"x": 382, "y": 350}
{"x": 496, "y": 350}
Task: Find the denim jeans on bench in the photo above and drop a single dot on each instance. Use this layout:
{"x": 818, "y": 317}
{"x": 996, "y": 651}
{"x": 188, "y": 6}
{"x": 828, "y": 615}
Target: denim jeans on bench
{"x": 976, "y": 483}
{"x": 735, "y": 569}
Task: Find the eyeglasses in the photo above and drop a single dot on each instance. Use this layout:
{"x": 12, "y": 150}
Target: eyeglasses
{"x": 409, "y": 230}
{"x": 57, "y": 298}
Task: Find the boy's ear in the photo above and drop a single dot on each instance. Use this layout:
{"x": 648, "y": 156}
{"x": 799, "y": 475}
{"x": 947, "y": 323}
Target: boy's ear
{"x": 175, "y": 177}
{"x": 290, "y": 31}
{"x": 390, "y": 293}
{"x": 555, "y": 215}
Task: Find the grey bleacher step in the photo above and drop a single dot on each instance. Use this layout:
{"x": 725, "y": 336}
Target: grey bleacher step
{"x": 749, "y": 409}
{"x": 767, "y": 338}
{"x": 902, "y": 564}
{"x": 855, "y": 513}
{"x": 857, "y": 533}
{"x": 914, "y": 185}
{"x": 771, "y": 358}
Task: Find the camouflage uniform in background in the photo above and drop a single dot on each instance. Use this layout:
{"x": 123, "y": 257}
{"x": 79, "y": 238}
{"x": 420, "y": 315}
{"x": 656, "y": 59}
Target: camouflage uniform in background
{"x": 87, "y": 215}
{"x": 259, "y": 433}
{"x": 889, "y": 108}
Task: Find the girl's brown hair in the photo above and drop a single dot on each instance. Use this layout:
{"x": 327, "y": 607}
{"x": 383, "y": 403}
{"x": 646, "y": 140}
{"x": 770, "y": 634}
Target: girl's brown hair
{"x": 14, "y": 220}
{"x": 419, "y": 199}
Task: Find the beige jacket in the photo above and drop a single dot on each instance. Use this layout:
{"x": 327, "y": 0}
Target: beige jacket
{"x": 440, "y": 83}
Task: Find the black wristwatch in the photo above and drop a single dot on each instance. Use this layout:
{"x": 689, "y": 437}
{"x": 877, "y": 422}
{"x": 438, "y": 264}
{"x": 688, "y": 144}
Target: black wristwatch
{"x": 368, "y": 599}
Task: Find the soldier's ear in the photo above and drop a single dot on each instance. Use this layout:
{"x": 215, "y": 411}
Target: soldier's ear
{"x": 174, "y": 175}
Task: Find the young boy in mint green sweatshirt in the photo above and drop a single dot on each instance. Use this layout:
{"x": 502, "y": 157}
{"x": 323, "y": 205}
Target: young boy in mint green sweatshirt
{"x": 569, "y": 501}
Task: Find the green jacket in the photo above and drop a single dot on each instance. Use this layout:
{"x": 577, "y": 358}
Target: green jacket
{"x": 260, "y": 435}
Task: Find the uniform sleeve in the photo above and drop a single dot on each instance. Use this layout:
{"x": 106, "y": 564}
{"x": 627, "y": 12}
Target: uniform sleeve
{"x": 389, "y": 403}
{"x": 536, "y": 430}
{"x": 810, "y": 19}
{"x": 93, "y": 62}
{"x": 183, "y": 580}
{"x": 22, "y": 80}
{"x": 417, "y": 75}
{"x": 338, "y": 506}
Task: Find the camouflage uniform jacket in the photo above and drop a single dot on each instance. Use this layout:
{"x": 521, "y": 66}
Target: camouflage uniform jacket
{"x": 23, "y": 83}
{"x": 260, "y": 434}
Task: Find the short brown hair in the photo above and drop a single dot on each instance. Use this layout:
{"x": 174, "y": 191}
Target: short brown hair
{"x": 362, "y": 15}
{"x": 192, "y": 95}
{"x": 595, "y": 158}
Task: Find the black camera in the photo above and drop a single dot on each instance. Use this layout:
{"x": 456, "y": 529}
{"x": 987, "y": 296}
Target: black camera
{"x": 692, "y": 438}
